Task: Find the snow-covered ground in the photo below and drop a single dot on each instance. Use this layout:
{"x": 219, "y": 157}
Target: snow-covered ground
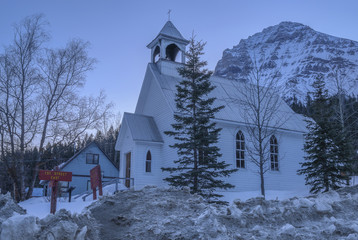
{"x": 40, "y": 206}
{"x": 270, "y": 195}
{"x": 155, "y": 213}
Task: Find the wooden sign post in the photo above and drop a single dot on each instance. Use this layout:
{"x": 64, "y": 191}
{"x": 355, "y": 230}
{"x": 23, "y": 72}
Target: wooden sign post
{"x": 96, "y": 181}
{"x": 54, "y": 177}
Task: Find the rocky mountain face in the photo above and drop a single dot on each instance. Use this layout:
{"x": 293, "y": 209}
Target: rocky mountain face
{"x": 295, "y": 54}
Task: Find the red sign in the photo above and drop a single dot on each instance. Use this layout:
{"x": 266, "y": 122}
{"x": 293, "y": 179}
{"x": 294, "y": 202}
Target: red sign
{"x": 96, "y": 181}
{"x": 55, "y": 175}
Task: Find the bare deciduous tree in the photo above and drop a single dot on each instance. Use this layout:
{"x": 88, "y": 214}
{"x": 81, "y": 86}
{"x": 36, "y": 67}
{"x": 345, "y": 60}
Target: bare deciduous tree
{"x": 39, "y": 98}
{"x": 260, "y": 108}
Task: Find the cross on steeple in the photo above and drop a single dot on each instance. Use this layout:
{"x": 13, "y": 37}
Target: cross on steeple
{"x": 169, "y": 14}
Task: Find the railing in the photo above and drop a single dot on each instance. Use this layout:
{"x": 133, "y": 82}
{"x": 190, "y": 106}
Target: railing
{"x": 128, "y": 182}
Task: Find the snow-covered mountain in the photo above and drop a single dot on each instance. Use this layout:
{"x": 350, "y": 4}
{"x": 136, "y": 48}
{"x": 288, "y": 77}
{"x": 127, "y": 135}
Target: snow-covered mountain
{"x": 298, "y": 53}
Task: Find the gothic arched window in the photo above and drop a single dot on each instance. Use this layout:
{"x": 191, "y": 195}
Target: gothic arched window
{"x": 148, "y": 162}
{"x": 240, "y": 150}
{"x": 274, "y": 153}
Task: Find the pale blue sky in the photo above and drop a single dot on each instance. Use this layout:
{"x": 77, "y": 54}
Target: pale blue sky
{"x": 120, "y": 30}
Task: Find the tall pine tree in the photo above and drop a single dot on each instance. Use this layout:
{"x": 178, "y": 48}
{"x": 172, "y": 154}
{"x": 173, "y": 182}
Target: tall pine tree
{"x": 325, "y": 165}
{"x": 195, "y": 132}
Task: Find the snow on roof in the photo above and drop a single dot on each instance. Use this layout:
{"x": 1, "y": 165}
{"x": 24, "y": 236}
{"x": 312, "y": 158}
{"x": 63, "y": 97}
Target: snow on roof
{"x": 227, "y": 94}
{"x": 142, "y": 128}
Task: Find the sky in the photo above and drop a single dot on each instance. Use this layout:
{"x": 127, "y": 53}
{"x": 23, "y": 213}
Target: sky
{"x": 119, "y": 30}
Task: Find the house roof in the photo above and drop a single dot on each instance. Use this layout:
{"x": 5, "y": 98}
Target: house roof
{"x": 227, "y": 94}
{"x": 142, "y": 128}
{"x": 169, "y": 31}
{"x": 64, "y": 164}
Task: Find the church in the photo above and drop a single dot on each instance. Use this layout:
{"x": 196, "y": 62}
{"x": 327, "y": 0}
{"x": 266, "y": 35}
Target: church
{"x": 145, "y": 149}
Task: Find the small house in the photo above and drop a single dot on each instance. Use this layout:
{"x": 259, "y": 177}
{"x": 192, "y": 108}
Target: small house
{"x": 80, "y": 165}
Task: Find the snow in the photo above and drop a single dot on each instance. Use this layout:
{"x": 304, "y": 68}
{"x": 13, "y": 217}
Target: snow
{"x": 156, "y": 213}
{"x": 18, "y": 226}
{"x": 270, "y": 195}
{"x": 40, "y": 207}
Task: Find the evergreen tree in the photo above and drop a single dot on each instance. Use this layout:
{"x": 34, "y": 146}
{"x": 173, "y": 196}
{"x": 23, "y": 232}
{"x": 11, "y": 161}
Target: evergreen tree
{"x": 195, "y": 133}
{"x": 325, "y": 161}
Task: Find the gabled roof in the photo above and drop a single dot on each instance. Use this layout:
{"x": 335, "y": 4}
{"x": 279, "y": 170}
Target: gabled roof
{"x": 142, "y": 128}
{"x": 64, "y": 164}
{"x": 227, "y": 94}
{"x": 169, "y": 31}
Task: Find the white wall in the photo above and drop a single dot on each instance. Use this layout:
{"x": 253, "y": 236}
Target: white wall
{"x": 248, "y": 179}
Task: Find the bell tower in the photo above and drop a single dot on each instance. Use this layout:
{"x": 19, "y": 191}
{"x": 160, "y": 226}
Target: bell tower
{"x": 168, "y": 44}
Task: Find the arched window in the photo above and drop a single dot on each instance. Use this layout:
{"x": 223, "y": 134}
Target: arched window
{"x": 148, "y": 162}
{"x": 274, "y": 153}
{"x": 240, "y": 150}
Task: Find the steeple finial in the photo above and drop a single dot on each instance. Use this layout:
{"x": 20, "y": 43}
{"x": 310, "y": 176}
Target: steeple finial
{"x": 169, "y": 14}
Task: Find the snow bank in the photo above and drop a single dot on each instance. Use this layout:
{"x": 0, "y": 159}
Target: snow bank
{"x": 153, "y": 213}
{"x": 61, "y": 226}
{"x": 15, "y": 224}
{"x": 8, "y": 208}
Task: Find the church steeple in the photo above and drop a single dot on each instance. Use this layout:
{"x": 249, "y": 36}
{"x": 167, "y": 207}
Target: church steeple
{"x": 168, "y": 43}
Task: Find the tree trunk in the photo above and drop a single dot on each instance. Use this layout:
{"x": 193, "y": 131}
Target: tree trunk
{"x": 262, "y": 179}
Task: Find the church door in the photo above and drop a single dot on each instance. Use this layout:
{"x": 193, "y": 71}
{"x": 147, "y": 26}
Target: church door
{"x": 128, "y": 169}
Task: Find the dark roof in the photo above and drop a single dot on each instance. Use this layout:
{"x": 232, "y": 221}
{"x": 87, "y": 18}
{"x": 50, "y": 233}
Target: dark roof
{"x": 142, "y": 127}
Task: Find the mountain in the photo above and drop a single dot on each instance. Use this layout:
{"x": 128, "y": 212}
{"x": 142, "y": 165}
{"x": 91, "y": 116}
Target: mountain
{"x": 298, "y": 54}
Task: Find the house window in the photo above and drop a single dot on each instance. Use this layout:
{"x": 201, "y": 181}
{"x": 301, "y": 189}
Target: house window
{"x": 92, "y": 158}
{"x": 274, "y": 153}
{"x": 240, "y": 150}
{"x": 148, "y": 162}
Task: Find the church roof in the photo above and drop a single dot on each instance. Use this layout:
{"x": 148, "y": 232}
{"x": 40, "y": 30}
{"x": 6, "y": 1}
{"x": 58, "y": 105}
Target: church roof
{"x": 142, "y": 128}
{"x": 227, "y": 94}
{"x": 170, "y": 31}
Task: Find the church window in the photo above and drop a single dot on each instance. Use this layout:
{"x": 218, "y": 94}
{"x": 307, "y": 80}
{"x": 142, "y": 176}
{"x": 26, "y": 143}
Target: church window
{"x": 274, "y": 153}
{"x": 148, "y": 162}
{"x": 240, "y": 150}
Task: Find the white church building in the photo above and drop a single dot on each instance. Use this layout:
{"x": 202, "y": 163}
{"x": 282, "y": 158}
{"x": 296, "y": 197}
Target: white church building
{"x": 145, "y": 149}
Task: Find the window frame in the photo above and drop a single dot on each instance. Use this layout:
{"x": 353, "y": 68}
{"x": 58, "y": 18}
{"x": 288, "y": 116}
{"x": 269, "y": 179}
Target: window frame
{"x": 240, "y": 149}
{"x": 274, "y": 163}
{"x": 92, "y": 158}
